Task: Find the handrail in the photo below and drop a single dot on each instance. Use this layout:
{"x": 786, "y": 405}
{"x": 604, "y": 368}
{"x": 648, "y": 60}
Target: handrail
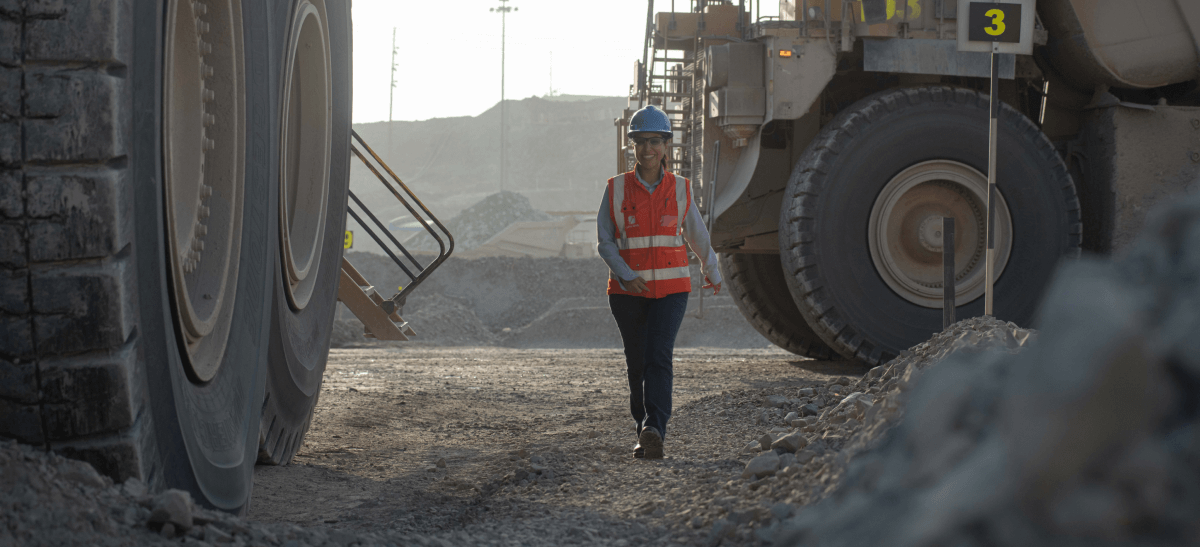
{"x": 443, "y": 251}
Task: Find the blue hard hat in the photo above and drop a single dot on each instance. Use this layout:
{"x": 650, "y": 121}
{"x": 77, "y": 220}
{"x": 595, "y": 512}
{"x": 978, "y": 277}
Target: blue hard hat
{"x": 650, "y": 120}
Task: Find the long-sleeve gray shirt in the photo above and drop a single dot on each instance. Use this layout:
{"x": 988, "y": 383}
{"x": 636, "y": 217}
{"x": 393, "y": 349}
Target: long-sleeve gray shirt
{"x": 693, "y": 231}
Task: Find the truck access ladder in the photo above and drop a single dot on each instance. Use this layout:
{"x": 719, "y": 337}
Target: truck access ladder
{"x": 671, "y": 77}
{"x": 381, "y": 317}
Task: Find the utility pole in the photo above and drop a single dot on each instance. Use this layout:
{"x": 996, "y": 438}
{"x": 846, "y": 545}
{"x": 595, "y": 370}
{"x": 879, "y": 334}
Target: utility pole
{"x": 392, "y": 93}
{"x": 503, "y": 10}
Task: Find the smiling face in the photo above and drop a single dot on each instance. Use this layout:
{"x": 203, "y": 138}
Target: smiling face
{"x": 650, "y": 149}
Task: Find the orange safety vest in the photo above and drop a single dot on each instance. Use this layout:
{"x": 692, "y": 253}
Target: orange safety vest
{"x": 650, "y": 233}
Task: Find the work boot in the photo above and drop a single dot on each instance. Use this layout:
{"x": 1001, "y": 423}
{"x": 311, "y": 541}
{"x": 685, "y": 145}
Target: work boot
{"x": 651, "y": 443}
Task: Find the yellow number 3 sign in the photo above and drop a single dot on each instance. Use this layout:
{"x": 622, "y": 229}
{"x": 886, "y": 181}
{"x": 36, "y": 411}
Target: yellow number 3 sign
{"x": 994, "y": 22}
{"x": 997, "y": 28}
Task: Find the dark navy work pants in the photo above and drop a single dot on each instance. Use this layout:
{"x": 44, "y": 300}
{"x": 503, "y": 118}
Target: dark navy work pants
{"x": 648, "y": 328}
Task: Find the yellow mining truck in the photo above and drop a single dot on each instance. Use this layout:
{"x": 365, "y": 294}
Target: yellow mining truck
{"x": 826, "y": 144}
{"x": 174, "y": 187}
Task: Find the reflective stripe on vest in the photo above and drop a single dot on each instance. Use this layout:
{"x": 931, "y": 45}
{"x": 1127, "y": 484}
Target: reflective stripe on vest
{"x": 646, "y": 242}
{"x": 617, "y": 192}
{"x": 656, "y": 251}
{"x": 681, "y": 272}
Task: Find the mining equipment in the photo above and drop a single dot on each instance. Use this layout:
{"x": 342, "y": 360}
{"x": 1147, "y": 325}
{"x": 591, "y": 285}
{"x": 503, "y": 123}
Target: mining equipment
{"x": 174, "y": 189}
{"x": 826, "y": 144}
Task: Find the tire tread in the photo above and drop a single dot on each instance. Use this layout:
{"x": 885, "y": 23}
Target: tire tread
{"x": 66, "y": 295}
{"x": 810, "y": 178}
{"x": 754, "y": 291}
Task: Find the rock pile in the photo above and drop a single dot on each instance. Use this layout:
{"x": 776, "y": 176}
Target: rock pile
{"x": 504, "y": 292}
{"x": 528, "y": 303}
{"x": 1089, "y": 437}
{"x": 437, "y": 320}
{"x": 47, "y": 500}
{"x": 809, "y": 435}
{"x": 476, "y": 224}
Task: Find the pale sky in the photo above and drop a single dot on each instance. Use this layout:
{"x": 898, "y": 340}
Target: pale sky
{"x": 449, "y": 52}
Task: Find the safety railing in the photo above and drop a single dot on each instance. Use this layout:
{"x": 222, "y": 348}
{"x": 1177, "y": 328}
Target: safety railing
{"x": 411, "y": 265}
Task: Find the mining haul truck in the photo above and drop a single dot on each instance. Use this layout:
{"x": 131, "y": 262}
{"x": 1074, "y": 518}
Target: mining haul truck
{"x": 174, "y": 189}
{"x": 825, "y": 146}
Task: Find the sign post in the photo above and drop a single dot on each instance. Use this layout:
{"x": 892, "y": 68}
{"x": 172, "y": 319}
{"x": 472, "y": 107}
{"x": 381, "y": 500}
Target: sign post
{"x": 997, "y": 28}
{"x": 948, "y": 284}
{"x": 993, "y": 129}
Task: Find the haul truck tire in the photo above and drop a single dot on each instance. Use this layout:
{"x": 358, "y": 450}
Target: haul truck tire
{"x": 315, "y": 174}
{"x": 761, "y": 293}
{"x": 140, "y": 168}
{"x": 860, "y": 228}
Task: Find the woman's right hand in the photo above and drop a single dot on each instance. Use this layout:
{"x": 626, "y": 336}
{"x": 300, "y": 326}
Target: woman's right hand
{"x": 637, "y": 285}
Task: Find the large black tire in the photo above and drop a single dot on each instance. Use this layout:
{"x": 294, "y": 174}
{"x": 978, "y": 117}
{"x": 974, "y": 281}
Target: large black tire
{"x": 90, "y": 338}
{"x": 825, "y": 217}
{"x": 757, "y": 285}
{"x": 299, "y": 343}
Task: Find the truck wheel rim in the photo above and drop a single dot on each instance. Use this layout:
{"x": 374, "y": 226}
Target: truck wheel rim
{"x": 307, "y": 114}
{"x": 905, "y": 232}
{"x": 203, "y": 160}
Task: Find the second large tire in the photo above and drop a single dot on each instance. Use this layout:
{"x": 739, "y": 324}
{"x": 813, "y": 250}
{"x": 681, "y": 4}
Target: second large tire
{"x": 757, "y": 285}
{"x": 205, "y": 431}
{"x": 299, "y": 341}
{"x": 826, "y": 222}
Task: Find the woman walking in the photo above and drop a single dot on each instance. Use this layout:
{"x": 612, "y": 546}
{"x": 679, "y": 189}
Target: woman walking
{"x": 641, "y": 226}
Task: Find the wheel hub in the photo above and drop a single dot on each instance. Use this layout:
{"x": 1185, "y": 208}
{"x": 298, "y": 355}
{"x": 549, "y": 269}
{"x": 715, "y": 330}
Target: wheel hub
{"x": 203, "y": 141}
{"x": 930, "y": 234}
{"x": 905, "y": 232}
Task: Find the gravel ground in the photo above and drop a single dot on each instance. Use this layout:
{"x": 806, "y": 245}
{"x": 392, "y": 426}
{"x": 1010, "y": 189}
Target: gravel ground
{"x": 456, "y": 446}
{"x": 541, "y": 454}
{"x": 499, "y": 446}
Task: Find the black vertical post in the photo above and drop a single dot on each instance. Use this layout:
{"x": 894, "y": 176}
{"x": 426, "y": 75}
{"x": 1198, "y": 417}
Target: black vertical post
{"x": 948, "y": 288}
{"x": 990, "y": 255}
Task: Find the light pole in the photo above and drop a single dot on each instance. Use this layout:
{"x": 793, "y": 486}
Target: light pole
{"x": 503, "y": 10}
{"x": 392, "y": 93}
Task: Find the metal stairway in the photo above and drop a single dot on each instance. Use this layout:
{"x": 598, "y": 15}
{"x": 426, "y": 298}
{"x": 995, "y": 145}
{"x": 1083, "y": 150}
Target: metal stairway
{"x": 671, "y": 77}
{"x": 381, "y": 316}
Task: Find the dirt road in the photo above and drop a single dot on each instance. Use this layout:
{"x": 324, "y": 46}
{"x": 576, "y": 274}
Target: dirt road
{"x": 523, "y": 447}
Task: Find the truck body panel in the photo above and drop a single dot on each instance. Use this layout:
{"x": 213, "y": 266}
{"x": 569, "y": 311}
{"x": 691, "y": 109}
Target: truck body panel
{"x": 1143, "y": 44}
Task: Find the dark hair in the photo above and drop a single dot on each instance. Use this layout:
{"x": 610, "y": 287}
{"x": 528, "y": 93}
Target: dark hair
{"x": 666, "y": 161}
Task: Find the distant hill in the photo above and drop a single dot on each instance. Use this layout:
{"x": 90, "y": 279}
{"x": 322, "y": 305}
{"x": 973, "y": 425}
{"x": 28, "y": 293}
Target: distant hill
{"x": 572, "y": 98}
{"x": 560, "y": 153}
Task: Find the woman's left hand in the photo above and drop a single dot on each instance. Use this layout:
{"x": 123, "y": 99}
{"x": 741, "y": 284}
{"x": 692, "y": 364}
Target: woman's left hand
{"x": 716, "y": 287}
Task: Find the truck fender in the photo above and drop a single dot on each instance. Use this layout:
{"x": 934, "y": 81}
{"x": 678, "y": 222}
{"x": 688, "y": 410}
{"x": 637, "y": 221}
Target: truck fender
{"x": 793, "y": 86}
